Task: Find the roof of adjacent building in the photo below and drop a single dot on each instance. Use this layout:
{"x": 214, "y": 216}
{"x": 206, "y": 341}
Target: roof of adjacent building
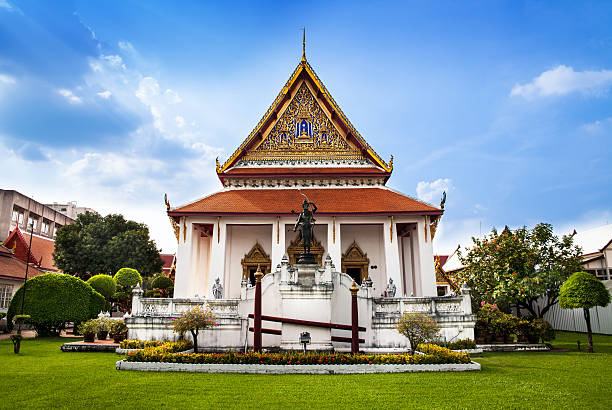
{"x": 41, "y": 253}
{"x": 330, "y": 201}
{"x": 13, "y": 268}
{"x": 594, "y": 240}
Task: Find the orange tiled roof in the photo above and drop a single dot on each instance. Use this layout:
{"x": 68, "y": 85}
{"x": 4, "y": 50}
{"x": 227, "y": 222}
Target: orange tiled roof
{"x": 13, "y": 268}
{"x": 331, "y": 201}
{"x": 43, "y": 250}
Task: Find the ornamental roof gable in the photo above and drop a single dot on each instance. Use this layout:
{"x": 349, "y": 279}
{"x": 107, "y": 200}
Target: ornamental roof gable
{"x": 305, "y": 123}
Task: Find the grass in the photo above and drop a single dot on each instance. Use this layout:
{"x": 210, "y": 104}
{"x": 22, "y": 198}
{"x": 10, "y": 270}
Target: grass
{"x": 42, "y": 377}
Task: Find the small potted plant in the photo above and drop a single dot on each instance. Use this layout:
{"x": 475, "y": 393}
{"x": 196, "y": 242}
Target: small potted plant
{"x": 89, "y": 330}
{"x": 103, "y": 328}
{"x": 19, "y": 320}
{"x": 118, "y": 330}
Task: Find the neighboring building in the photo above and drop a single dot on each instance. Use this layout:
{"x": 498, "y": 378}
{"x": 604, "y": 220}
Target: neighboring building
{"x": 305, "y": 147}
{"x": 18, "y": 210}
{"x": 596, "y": 247}
{"x": 69, "y": 209}
{"x": 12, "y": 275}
{"x": 41, "y": 254}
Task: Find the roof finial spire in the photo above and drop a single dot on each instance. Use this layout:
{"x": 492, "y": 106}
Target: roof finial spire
{"x": 303, "y": 44}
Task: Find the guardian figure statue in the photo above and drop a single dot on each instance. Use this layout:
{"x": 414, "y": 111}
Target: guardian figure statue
{"x": 305, "y": 222}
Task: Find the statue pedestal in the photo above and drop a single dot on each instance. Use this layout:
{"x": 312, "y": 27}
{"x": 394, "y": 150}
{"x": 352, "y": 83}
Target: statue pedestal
{"x": 306, "y": 300}
{"x": 306, "y": 259}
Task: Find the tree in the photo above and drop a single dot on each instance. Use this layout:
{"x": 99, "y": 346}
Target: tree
{"x": 418, "y": 328}
{"x": 126, "y": 279}
{"x": 518, "y": 267}
{"x": 54, "y": 299}
{"x": 163, "y": 285}
{"x": 103, "y": 284}
{"x": 96, "y": 244}
{"x": 583, "y": 290}
{"x": 193, "y": 320}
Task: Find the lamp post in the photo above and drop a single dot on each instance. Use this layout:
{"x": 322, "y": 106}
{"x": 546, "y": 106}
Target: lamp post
{"x": 257, "y": 313}
{"x": 25, "y": 281}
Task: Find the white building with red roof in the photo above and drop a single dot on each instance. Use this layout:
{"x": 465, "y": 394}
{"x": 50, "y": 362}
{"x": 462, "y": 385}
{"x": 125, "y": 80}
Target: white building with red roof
{"x": 305, "y": 147}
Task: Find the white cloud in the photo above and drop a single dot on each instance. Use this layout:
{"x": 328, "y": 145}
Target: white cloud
{"x": 598, "y": 126}
{"x": 180, "y": 121}
{"x": 105, "y": 94}
{"x": 126, "y": 46}
{"x": 5, "y": 5}
{"x": 7, "y": 79}
{"x": 430, "y": 191}
{"x": 563, "y": 80}
{"x": 69, "y": 95}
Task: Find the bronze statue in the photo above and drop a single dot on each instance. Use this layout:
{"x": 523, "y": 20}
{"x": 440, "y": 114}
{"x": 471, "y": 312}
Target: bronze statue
{"x": 305, "y": 222}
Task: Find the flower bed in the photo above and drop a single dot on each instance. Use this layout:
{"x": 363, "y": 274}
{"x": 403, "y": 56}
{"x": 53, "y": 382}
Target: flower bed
{"x": 150, "y": 344}
{"x": 432, "y": 355}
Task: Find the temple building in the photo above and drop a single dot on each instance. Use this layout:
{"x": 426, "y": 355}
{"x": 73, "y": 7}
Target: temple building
{"x": 305, "y": 148}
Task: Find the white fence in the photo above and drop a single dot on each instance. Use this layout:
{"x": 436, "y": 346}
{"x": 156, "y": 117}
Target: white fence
{"x": 573, "y": 319}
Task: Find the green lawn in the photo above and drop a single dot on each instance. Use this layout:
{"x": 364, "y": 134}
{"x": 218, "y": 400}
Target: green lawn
{"x": 42, "y": 376}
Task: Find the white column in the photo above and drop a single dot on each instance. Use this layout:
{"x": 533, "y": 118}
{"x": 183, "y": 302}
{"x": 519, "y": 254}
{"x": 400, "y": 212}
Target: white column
{"x": 392, "y": 258}
{"x": 182, "y": 282}
{"x": 278, "y": 241}
{"x": 334, "y": 250}
{"x": 427, "y": 271}
{"x": 217, "y": 255}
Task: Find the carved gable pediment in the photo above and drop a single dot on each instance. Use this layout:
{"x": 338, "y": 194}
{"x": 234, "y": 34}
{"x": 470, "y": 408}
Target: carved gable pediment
{"x": 254, "y": 258}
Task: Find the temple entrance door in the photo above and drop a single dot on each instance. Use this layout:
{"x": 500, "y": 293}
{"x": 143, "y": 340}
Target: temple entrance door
{"x": 355, "y": 263}
{"x": 355, "y": 273}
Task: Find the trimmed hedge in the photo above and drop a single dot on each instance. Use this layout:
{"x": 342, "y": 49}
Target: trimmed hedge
{"x": 103, "y": 284}
{"x": 127, "y": 278}
{"x": 162, "y": 282}
{"x": 433, "y": 355}
{"x": 53, "y": 299}
{"x": 458, "y": 344}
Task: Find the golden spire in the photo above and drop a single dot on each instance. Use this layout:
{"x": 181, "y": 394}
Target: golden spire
{"x": 303, "y": 44}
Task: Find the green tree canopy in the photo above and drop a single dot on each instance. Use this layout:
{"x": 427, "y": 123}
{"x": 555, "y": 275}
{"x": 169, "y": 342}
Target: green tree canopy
{"x": 583, "y": 291}
{"x": 127, "y": 279}
{"x": 518, "y": 267}
{"x": 96, "y": 244}
{"x": 103, "y": 284}
{"x": 53, "y": 299}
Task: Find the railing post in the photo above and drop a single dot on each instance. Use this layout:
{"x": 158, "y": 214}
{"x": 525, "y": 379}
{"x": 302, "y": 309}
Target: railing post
{"x": 354, "y": 319}
{"x": 257, "y": 313}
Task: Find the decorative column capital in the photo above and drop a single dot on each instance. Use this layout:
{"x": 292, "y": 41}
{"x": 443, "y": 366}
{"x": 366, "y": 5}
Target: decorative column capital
{"x": 354, "y": 289}
{"x": 258, "y": 274}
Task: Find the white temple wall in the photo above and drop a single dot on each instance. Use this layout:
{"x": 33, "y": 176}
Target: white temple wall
{"x": 200, "y": 264}
{"x": 182, "y": 281}
{"x": 240, "y": 240}
{"x": 427, "y": 274}
{"x": 392, "y": 255}
{"x": 370, "y": 238}
{"x": 407, "y": 261}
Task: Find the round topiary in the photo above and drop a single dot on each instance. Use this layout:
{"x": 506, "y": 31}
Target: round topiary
{"x": 104, "y": 285}
{"x": 53, "y": 299}
{"x": 162, "y": 282}
{"x": 127, "y": 278}
{"x": 583, "y": 290}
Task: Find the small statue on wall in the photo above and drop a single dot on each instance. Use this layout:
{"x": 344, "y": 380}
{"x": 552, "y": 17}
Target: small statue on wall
{"x": 305, "y": 223}
{"x": 217, "y": 289}
{"x": 391, "y": 289}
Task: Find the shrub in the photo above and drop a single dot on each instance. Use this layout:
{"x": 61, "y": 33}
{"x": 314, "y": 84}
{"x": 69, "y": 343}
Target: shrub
{"x": 89, "y": 327}
{"x": 2, "y": 315}
{"x": 127, "y": 279}
{"x": 54, "y": 299}
{"x": 543, "y": 329}
{"x": 433, "y": 355}
{"x": 103, "y": 284}
{"x": 139, "y": 344}
{"x": 193, "y": 320}
{"x": 418, "y": 328}
{"x": 162, "y": 282}
{"x": 457, "y": 344}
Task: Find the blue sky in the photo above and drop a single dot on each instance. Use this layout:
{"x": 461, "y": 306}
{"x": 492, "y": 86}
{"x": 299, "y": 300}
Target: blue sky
{"x": 506, "y": 105}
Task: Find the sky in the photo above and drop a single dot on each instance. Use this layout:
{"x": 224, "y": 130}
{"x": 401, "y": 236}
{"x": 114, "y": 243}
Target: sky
{"x": 506, "y": 105}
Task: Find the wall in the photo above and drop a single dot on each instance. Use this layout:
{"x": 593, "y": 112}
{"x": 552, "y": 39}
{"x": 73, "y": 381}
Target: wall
{"x": 240, "y": 240}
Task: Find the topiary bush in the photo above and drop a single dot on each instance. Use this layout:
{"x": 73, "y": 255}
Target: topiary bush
{"x": 127, "y": 278}
{"x": 103, "y": 284}
{"x": 162, "y": 282}
{"x": 583, "y": 291}
{"x": 54, "y": 299}
{"x": 418, "y": 328}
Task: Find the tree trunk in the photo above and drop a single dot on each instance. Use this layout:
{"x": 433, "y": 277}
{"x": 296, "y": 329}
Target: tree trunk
{"x": 195, "y": 341}
{"x": 587, "y": 317}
